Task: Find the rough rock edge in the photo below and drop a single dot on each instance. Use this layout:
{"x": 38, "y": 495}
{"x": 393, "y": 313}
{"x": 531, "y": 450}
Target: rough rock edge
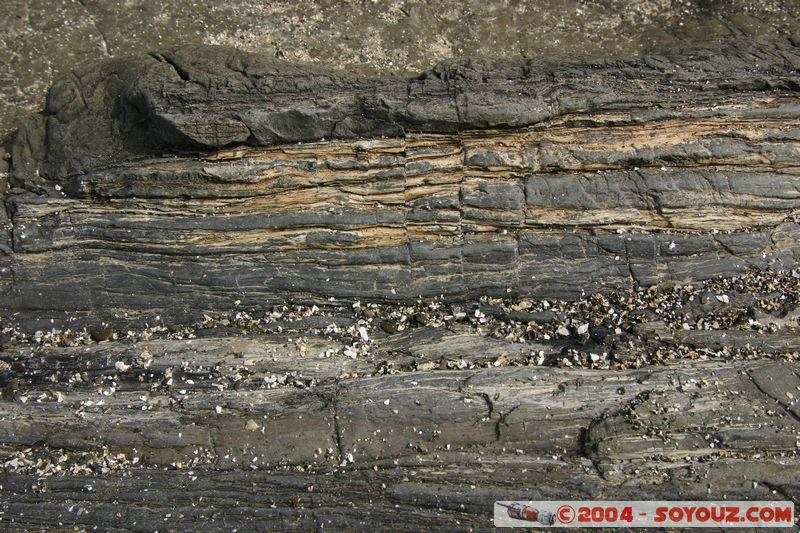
{"x": 209, "y": 97}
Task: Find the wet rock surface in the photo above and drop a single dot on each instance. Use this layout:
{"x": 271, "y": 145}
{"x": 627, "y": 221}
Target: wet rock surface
{"x": 257, "y": 295}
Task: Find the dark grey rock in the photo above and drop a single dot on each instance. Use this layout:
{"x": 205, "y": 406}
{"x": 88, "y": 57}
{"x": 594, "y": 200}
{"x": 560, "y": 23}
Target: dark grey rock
{"x": 180, "y": 182}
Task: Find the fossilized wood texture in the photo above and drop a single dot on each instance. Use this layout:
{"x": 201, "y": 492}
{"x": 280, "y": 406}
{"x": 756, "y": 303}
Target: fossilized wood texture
{"x": 215, "y": 448}
{"x": 194, "y": 178}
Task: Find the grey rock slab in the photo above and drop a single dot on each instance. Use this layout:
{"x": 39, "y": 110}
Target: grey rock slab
{"x": 179, "y": 182}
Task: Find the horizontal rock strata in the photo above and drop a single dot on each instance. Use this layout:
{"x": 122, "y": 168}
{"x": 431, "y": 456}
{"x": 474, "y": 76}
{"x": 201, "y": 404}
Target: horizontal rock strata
{"x": 205, "y": 178}
{"x": 173, "y": 202}
{"x": 254, "y": 432}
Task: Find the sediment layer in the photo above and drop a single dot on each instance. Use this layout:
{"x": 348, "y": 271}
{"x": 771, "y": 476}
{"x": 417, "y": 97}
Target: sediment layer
{"x": 291, "y": 278}
{"x": 198, "y": 179}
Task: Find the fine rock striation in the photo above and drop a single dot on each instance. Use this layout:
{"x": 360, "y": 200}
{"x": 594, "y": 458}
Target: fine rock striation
{"x": 204, "y": 178}
{"x": 300, "y": 273}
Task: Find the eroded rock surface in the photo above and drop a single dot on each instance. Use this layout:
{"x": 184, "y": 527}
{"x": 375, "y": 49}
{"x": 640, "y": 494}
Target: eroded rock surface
{"x": 316, "y": 300}
{"x": 193, "y": 178}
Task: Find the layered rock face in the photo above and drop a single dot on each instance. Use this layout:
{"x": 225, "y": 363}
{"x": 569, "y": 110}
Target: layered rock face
{"x": 199, "y": 179}
{"x": 157, "y": 189}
